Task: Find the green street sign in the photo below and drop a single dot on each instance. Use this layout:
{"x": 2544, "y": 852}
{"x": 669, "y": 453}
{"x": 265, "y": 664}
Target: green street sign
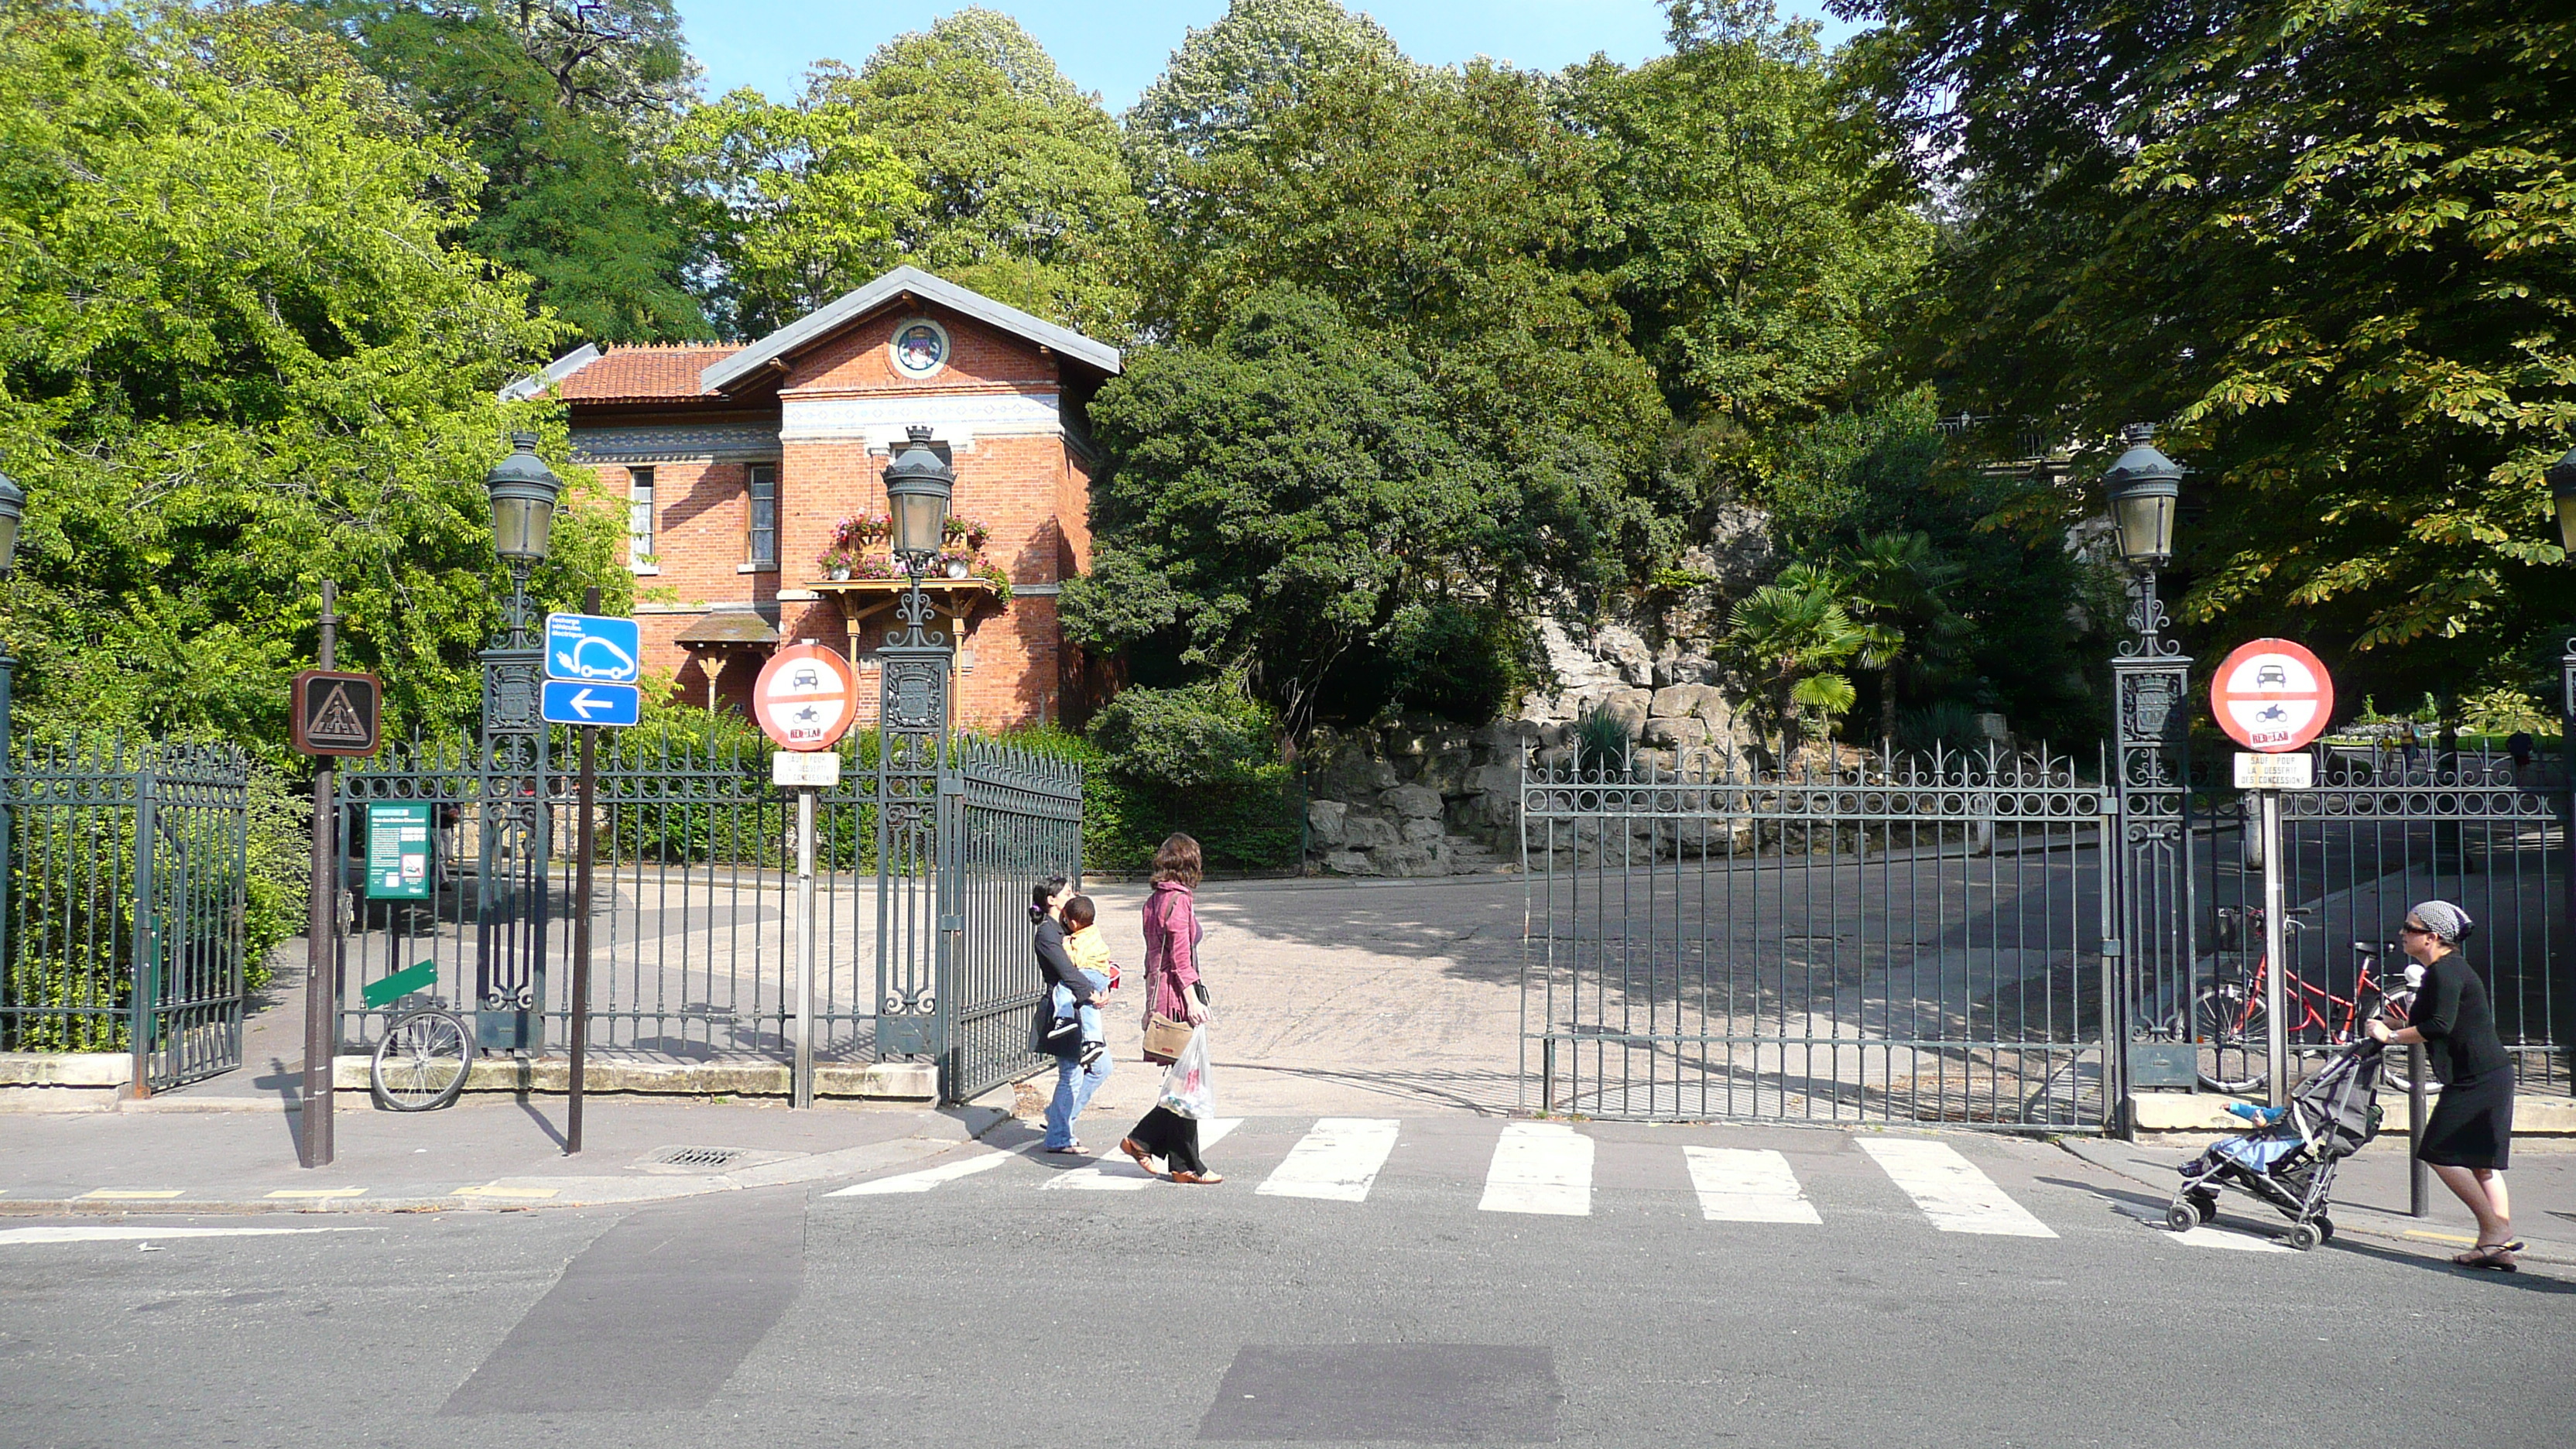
{"x": 398, "y": 850}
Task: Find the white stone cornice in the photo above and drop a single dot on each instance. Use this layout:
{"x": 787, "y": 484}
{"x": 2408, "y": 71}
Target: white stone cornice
{"x": 957, "y": 419}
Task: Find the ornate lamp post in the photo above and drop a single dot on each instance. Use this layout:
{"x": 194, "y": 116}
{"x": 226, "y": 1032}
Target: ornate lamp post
{"x": 2562, "y": 496}
{"x": 510, "y": 908}
{"x": 2151, "y": 681}
{"x": 912, "y": 735}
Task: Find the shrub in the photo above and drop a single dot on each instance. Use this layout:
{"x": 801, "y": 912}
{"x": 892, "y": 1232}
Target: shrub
{"x": 1195, "y": 736}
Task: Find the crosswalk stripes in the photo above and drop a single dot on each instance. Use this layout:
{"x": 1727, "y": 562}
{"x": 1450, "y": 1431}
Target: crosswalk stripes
{"x": 1337, "y": 1161}
{"x": 1740, "y": 1185}
{"x": 1540, "y": 1167}
{"x": 1950, "y": 1190}
{"x": 1117, "y": 1174}
{"x": 927, "y": 1178}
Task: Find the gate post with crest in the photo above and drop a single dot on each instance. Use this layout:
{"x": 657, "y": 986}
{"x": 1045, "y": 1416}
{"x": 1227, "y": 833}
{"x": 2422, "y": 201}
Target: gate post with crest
{"x": 2150, "y": 870}
{"x": 510, "y": 767}
{"x": 914, "y": 775}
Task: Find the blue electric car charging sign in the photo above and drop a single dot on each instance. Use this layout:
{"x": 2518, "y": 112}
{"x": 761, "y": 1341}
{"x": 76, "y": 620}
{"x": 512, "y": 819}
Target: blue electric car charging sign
{"x": 593, "y": 649}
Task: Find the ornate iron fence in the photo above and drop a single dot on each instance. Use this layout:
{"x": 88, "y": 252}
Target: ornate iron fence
{"x": 127, "y": 877}
{"x": 1914, "y": 941}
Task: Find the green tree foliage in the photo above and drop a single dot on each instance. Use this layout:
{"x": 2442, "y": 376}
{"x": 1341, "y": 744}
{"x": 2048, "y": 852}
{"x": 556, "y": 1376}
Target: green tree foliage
{"x": 239, "y": 354}
{"x": 1761, "y": 228}
{"x": 1027, "y": 197}
{"x": 1794, "y": 637}
{"x": 565, "y": 197}
{"x": 1228, "y": 79}
{"x": 801, "y": 202}
{"x": 1277, "y": 498}
{"x": 2328, "y": 239}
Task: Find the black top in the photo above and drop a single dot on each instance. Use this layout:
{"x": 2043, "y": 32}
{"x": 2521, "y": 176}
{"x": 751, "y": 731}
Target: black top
{"x": 1058, "y": 968}
{"x": 2458, "y": 1025}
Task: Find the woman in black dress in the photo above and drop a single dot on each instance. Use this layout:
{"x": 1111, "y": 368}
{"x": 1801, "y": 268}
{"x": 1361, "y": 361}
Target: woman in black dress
{"x": 2469, "y": 1135}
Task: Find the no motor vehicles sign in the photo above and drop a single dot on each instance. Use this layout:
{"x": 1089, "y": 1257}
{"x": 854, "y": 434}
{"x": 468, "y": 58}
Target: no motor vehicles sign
{"x": 806, "y": 697}
{"x": 2272, "y": 695}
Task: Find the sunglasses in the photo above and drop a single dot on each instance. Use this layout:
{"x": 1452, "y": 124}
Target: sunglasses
{"x": 2416, "y": 929}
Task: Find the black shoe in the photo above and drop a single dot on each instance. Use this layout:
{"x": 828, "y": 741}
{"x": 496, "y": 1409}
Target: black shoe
{"x": 1063, "y": 1029}
{"x": 1092, "y": 1052}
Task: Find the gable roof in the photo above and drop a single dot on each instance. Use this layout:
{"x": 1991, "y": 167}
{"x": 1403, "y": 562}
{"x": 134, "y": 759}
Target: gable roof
{"x": 639, "y": 373}
{"x": 851, "y": 306}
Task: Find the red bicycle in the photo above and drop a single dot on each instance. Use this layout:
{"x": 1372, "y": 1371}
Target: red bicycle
{"x": 2233, "y": 1026}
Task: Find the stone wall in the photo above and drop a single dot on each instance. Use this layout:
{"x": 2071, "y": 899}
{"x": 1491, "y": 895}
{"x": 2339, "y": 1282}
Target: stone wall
{"x": 1680, "y": 705}
{"x": 1412, "y": 798}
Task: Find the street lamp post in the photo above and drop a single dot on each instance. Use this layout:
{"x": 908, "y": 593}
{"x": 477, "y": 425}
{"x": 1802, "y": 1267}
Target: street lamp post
{"x": 912, "y": 736}
{"x": 2562, "y": 494}
{"x": 13, "y": 507}
{"x": 2151, "y": 683}
{"x": 510, "y": 882}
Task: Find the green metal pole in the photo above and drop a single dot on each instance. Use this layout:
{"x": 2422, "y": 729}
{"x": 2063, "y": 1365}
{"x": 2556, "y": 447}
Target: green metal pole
{"x": 321, "y": 1000}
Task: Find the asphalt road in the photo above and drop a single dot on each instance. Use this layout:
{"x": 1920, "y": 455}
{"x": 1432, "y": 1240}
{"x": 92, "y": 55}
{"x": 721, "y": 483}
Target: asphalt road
{"x": 1033, "y": 1301}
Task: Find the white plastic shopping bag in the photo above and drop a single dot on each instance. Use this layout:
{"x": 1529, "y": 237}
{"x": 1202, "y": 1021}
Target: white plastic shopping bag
{"x": 1188, "y": 1090}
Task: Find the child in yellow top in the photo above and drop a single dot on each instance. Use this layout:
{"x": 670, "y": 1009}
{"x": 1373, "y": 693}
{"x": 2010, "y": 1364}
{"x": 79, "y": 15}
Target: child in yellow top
{"x": 1089, "y": 951}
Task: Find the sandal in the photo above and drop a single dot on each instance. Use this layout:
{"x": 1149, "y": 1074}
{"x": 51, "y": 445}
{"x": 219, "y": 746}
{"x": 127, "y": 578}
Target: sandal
{"x": 1143, "y": 1158}
{"x": 1205, "y": 1179}
{"x": 2498, "y": 1256}
{"x": 1070, "y": 1149}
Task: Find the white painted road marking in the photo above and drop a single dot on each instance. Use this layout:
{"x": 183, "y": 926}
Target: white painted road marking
{"x": 1120, "y": 1174}
{"x": 1950, "y": 1190}
{"x": 1738, "y": 1185}
{"x": 1540, "y": 1167}
{"x": 127, "y": 1234}
{"x": 927, "y": 1178}
{"x": 1337, "y": 1161}
{"x": 118, "y": 1194}
{"x": 2216, "y": 1238}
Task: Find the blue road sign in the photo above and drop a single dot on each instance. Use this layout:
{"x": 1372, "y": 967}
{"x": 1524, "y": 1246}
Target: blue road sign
{"x": 570, "y": 703}
{"x": 593, "y": 649}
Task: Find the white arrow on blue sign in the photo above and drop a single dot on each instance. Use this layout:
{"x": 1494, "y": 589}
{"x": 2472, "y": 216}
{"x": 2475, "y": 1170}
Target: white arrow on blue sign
{"x": 593, "y": 649}
{"x": 567, "y": 702}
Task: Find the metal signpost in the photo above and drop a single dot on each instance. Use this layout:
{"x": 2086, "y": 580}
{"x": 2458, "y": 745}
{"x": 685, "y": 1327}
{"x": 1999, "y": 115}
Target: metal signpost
{"x": 805, "y": 699}
{"x": 2273, "y": 696}
{"x": 330, "y": 715}
{"x": 591, "y": 669}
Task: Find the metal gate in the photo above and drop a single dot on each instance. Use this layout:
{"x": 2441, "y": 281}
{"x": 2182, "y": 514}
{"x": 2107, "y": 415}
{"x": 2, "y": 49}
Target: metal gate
{"x": 1910, "y": 941}
{"x": 126, "y": 876}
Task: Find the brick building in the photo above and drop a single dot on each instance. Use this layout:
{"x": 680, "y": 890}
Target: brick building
{"x": 739, "y": 462}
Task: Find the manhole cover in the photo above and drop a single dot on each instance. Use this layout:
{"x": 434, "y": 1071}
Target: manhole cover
{"x": 695, "y": 1156}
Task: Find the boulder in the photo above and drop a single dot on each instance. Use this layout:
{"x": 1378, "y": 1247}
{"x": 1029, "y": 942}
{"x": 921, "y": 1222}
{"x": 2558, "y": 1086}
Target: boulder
{"x": 1417, "y": 831}
{"x": 1494, "y": 780}
{"x": 1672, "y": 733}
{"x": 1626, "y": 649}
{"x": 1445, "y": 772}
{"x": 1629, "y": 706}
{"x": 1324, "y": 821}
{"x": 1413, "y": 801}
{"x": 1350, "y": 862}
{"x": 1677, "y": 701}
{"x": 1367, "y": 832}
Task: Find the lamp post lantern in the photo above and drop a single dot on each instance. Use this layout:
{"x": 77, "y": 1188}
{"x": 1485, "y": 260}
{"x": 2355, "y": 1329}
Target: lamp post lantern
{"x": 516, "y": 837}
{"x": 2151, "y": 685}
{"x": 912, "y": 754}
{"x": 2562, "y": 497}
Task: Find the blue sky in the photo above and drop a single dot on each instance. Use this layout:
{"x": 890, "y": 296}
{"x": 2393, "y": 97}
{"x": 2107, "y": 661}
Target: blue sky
{"x": 1117, "y": 48}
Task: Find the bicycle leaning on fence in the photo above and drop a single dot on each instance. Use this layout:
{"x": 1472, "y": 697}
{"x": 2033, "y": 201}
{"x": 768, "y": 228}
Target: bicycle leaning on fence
{"x": 427, "y": 1049}
{"x": 2231, "y": 1021}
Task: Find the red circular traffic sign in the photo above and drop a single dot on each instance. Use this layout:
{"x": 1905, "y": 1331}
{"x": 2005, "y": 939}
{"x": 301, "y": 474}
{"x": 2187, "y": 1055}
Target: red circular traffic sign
{"x": 806, "y": 697}
{"x": 2272, "y": 695}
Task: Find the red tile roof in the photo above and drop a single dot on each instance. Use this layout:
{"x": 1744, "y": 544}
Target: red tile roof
{"x": 645, "y": 374}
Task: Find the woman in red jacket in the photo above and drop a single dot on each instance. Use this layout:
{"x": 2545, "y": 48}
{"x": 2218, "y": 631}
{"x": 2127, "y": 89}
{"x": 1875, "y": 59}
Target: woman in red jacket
{"x": 1173, "y": 991}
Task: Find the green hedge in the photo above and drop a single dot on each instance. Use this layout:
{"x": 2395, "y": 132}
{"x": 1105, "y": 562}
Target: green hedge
{"x": 1256, "y": 825}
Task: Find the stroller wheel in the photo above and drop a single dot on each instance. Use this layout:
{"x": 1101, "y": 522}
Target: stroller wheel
{"x": 2325, "y": 1230}
{"x": 2208, "y": 1207}
{"x": 2181, "y": 1218}
{"x": 2304, "y": 1236}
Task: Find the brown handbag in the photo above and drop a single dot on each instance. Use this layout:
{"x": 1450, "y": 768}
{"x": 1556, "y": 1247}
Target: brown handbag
{"x": 1164, "y": 1037}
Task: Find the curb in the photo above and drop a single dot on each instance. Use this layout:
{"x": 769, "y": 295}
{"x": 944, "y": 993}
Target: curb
{"x": 2538, "y": 1252}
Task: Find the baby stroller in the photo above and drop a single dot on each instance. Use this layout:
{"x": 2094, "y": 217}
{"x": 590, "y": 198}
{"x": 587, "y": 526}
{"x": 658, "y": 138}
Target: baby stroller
{"x": 2289, "y": 1159}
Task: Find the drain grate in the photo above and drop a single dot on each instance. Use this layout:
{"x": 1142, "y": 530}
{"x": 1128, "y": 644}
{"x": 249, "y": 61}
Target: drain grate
{"x": 695, "y": 1156}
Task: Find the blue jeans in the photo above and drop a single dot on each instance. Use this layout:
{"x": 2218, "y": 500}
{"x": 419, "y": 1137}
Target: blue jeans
{"x": 1074, "y": 1084}
{"x": 1062, "y": 1004}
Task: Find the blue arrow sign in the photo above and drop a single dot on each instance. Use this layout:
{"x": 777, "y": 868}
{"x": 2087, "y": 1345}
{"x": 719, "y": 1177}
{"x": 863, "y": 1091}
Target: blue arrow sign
{"x": 593, "y": 649}
{"x": 592, "y": 704}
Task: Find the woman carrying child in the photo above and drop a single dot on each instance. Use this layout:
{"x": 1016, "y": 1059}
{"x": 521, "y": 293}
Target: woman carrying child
{"x": 1077, "y": 1074}
{"x": 1173, "y": 991}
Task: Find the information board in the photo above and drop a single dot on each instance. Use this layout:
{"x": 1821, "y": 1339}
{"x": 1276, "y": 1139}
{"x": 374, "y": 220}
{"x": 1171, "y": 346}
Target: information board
{"x": 398, "y": 850}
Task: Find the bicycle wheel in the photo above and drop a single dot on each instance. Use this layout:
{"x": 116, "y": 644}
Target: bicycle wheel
{"x": 422, "y": 1061}
{"x": 2233, "y": 1033}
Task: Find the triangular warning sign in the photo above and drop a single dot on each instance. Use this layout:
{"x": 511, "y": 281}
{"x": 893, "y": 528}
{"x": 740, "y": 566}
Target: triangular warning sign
{"x": 337, "y": 722}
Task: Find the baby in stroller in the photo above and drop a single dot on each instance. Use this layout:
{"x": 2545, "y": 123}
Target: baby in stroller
{"x": 2289, "y": 1159}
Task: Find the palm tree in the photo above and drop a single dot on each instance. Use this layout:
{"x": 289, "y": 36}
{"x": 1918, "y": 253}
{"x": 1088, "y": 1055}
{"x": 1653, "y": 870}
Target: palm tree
{"x": 1795, "y": 636}
{"x": 1898, "y": 587}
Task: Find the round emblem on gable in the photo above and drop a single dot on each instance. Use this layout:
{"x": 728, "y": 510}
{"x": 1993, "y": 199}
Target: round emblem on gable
{"x": 920, "y": 347}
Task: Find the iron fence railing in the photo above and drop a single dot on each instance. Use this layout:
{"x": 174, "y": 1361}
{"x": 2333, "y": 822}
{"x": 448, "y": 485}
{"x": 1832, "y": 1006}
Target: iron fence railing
{"x": 126, "y": 878}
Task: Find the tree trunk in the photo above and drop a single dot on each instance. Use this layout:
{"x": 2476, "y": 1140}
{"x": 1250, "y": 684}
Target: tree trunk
{"x": 1887, "y": 707}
